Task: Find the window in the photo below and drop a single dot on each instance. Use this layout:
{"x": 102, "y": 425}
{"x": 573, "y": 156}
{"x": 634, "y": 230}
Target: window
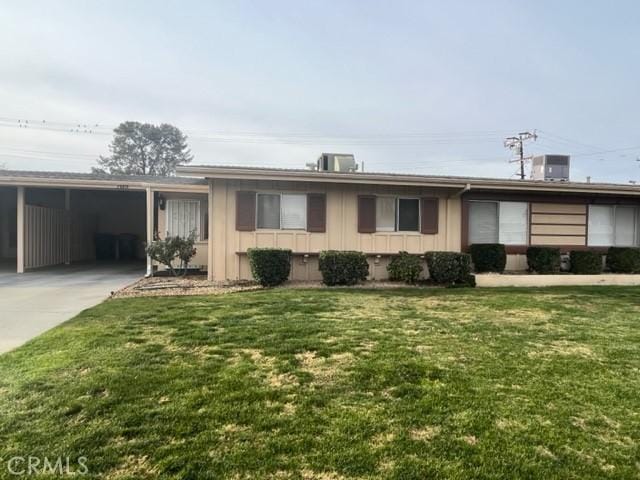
{"x": 183, "y": 218}
{"x": 282, "y": 211}
{"x": 504, "y": 222}
{"x": 294, "y": 211}
{"x": 483, "y": 222}
{"x": 408, "y": 215}
{"x": 397, "y": 214}
{"x": 513, "y": 220}
{"x": 612, "y": 225}
{"x": 385, "y": 214}
{"x": 268, "y": 210}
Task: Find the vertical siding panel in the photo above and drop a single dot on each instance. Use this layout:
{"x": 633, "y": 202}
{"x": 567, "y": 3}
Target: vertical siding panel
{"x": 44, "y": 236}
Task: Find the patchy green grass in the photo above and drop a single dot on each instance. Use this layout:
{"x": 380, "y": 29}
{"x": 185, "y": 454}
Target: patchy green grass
{"x": 336, "y": 384}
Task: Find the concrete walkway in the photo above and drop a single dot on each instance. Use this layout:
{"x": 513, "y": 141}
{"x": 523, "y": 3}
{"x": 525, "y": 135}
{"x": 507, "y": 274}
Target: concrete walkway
{"x": 36, "y": 301}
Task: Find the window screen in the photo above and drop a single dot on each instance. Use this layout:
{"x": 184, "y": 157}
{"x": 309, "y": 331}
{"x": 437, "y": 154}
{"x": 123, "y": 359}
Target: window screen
{"x": 601, "y": 225}
{"x": 268, "y": 210}
{"x": 385, "y": 214}
{"x": 183, "y": 218}
{"x": 294, "y": 211}
{"x": 408, "y": 214}
{"x": 625, "y": 226}
{"x": 514, "y": 217}
{"x": 483, "y": 222}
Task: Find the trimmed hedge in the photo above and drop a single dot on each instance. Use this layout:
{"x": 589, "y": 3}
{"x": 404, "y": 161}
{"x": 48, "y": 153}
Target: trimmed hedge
{"x": 270, "y": 266}
{"x": 623, "y": 259}
{"x": 450, "y": 268}
{"x": 585, "y": 262}
{"x": 405, "y": 268}
{"x": 343, "y": 267}
{"x": 488, "y": 257}
{"x": 543, "y": 259}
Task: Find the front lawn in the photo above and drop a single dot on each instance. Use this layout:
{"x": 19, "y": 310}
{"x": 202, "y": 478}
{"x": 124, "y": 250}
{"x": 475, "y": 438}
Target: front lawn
{"x": 336, "y": 384}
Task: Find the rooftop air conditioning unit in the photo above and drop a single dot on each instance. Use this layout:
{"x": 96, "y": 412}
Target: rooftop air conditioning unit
{"x": 551, "y": 168}
{"x": 337, "y": 162}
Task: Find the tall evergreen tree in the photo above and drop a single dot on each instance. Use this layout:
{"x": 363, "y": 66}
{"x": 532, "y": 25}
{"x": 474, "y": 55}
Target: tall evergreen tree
{"x": 145, "y": 149}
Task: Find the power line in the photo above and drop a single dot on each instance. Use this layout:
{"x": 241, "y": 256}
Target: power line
{"x": 570, "y": 141}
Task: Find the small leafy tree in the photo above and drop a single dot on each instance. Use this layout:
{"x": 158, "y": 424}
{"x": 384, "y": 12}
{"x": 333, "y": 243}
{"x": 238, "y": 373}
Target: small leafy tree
{"x": 167, "y": 250}
{"x": 186, "y": 251}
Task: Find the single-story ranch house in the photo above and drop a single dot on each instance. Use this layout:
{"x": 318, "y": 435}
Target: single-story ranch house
{"x": 49, "y": 218}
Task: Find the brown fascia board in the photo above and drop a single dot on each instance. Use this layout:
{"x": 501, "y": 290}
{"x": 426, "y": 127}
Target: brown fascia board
{"x": 17, "y": 181}
{"x": 467, "y": 183}
{"x": 232, "y": 173}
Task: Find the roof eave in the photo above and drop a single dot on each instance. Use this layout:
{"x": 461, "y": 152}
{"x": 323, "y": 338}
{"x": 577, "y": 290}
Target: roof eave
{"x": 18, "y": 181}
{"x": 230, "y": 173}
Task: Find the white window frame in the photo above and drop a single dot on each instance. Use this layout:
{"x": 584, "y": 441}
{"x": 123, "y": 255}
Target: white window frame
{"x": 395, "y": 214}
{"x": 258, "y": 210}
{"x": 396, "y": 226}
{"x": 497, "y": 203}
{"x": 281, "y": 194}
{"x": 527, "y": 223}
{"x": 614, "y": 209}
{"x": 170, "y": 205}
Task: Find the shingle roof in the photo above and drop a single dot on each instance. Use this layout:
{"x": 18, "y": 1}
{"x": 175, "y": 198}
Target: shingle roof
{"x": 32, "y": 174}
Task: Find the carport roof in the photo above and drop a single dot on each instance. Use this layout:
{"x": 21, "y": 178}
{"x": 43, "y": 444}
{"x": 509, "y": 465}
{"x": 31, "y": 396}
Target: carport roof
{"x": 17, "y": 177}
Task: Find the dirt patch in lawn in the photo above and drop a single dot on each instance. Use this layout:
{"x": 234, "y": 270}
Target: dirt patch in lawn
{"x": 199, "y": 285}
{"x": 563, "y": 348}
{"x": 189, "y": 285}
{"x": 324, "y": 369}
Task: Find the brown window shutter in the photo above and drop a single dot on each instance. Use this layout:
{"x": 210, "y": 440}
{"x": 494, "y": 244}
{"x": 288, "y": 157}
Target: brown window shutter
{"x": 429, "y": 215}
{"x": 316, "y": 212}
{"x": 366, "y": 214}
{"x": 245, "y": 211}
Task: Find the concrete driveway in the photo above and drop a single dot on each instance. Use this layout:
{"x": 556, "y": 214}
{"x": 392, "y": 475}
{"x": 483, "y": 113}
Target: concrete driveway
{"x": 36, "y": 301}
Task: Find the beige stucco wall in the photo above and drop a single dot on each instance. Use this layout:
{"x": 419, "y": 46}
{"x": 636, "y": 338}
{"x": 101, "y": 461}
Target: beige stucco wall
{"x": 229, "y": 245}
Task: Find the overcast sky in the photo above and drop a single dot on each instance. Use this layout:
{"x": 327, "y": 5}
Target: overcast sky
{"x": 421, "y": 87}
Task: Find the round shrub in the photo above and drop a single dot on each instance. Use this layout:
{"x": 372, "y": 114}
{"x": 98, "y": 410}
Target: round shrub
{"x": 488, "y": 257}
{"x": 405, "y": 268}
{"x": 543, "y": 259}
{"x": 585, "y": 262}
{"x": 269, "y": 266}
{"x": 623, "y": 259}
{"x": 343, "y": 267}
{"x": 450, "y": 268}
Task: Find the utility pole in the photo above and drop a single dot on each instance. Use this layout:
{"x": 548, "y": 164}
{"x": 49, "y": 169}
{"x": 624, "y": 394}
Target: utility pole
{"x": 516, "y": 143}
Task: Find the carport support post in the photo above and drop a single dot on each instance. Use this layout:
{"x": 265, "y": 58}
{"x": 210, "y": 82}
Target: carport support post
{"x": 210, "y": 233}
{"x": 20, "y": 240}
{"x": 150, "y": 227}
{"x": 67, "y": 226}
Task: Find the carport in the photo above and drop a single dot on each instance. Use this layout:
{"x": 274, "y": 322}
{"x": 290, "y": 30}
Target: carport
{"x": 52, "y": 219}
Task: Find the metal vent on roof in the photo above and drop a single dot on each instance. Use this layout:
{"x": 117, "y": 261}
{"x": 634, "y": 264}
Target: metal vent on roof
{"x": 336, "y": 162}
{"x": 552, "y": 168}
